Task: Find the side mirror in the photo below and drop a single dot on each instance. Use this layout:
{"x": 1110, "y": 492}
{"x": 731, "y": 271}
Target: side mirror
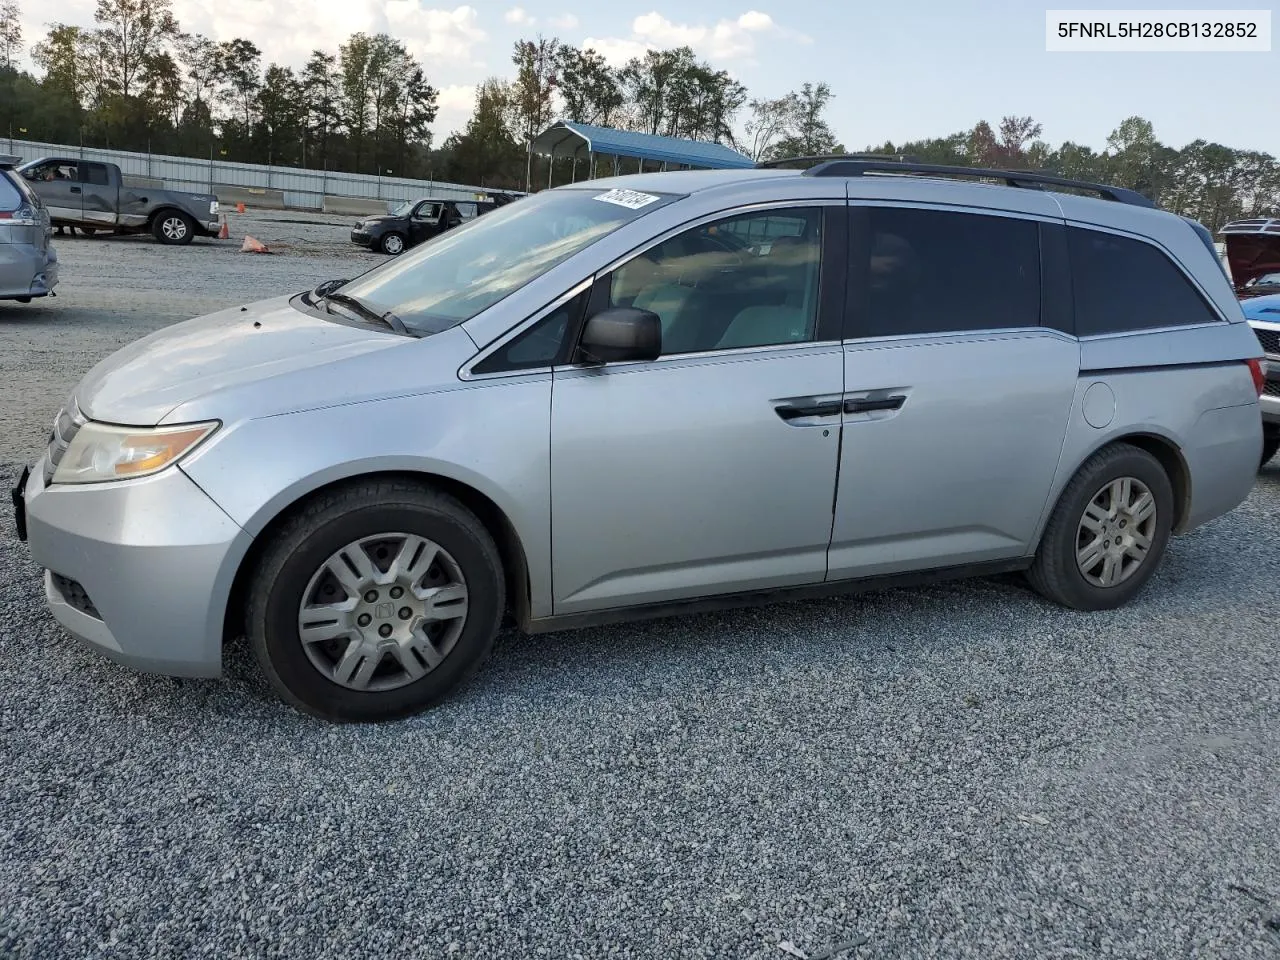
{"x": 620, "y": 334}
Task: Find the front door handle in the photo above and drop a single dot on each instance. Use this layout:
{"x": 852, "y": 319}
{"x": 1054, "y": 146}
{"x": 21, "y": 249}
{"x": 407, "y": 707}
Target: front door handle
{"x": 866, "y": 404}
{"x": 805, "y": 411}
{"x": 75, "y": 189}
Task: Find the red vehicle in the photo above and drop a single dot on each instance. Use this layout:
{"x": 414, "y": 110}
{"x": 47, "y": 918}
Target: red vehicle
{"x": 1253, "y": 255}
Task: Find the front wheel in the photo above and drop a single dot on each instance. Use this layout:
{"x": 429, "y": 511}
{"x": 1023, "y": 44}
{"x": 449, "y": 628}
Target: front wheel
{"x": 392, "y": 244}
{"x": 1108, "y": 532}
{"x": 172, "y": 227}
{"x": 375, "y": 601}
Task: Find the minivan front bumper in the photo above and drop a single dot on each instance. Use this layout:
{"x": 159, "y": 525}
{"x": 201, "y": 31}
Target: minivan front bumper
{"x": 139, "y": 570}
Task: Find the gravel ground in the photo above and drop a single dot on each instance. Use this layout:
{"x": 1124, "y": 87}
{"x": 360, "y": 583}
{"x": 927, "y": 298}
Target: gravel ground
{"x": 959, "y": 771}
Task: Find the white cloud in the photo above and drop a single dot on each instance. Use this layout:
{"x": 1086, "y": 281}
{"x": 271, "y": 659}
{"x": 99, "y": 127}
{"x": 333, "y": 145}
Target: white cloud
{"x": 519, "y": 16}
{"x": 725, "y": 40}
{"x": 288, "y": 30}
{"x": 567, "y": 22}
{"x": 456, "y": 103}
{"x": 434, "y": 35}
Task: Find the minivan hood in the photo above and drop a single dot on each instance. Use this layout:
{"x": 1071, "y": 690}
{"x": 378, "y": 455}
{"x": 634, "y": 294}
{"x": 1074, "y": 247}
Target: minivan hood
{"x": 141, "y": 383}
{"x": 1251, "y": 255}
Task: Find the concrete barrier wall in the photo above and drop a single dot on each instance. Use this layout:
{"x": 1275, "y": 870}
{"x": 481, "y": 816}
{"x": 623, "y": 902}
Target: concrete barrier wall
{"x": 229, "y": 195}
{"x": 355, "y": 207}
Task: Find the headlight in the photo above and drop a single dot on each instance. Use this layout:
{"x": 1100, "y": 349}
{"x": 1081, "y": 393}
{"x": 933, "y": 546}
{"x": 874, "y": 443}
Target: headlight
{"x": 101, "y": 452}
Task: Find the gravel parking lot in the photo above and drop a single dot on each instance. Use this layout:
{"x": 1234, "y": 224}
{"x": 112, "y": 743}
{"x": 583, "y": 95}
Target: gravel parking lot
{"x": 958, "y": 771}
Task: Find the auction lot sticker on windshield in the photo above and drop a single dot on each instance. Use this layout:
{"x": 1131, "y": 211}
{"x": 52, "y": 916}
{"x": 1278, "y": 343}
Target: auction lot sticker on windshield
{"x": 631, "y": 199}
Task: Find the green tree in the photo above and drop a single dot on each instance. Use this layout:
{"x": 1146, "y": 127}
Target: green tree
{"x": 321, "y": 96}
{"x": 532, "y": 91}
{"x": 10, "y": 35}
{"x": 771, "y": 121}
{"x": 280, "y": 113}
{"x": 239, "y": 62}
{"x": 486, "y": 153}
{"x": 131, "y": 33}
{"x": 588, "y": 86}
{"x": 811, "y": 136}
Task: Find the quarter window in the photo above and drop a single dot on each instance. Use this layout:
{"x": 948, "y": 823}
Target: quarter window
{"x": 539, "y": 346}
{"x": 715, "y": 289}
{"x": 934, "y": 271}
{"x": 1123, "y": 284}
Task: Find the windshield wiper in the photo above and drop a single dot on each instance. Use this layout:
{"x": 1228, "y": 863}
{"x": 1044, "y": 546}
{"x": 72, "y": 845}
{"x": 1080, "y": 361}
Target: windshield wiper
{"x": 360, "y": 307}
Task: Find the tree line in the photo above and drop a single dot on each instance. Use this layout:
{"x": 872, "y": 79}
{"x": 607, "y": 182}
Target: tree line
{"x": 137, "y": 81}
{"x": 1208, "y": 181}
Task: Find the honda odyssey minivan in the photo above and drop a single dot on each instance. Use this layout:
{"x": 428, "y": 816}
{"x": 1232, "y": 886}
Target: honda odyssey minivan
{"x": 646, "y": 396}
{"x": 28, "y": 261}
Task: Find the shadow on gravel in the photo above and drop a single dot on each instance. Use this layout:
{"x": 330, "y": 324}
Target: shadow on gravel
{"x": 12, "y": 312}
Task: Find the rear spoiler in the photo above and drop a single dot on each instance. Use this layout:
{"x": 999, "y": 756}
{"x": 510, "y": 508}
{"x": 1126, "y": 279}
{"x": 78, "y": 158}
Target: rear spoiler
{"x": 9, "y": 162}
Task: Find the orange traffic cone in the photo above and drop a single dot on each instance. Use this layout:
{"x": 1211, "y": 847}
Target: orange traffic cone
{"x": 253, "y": 245}
{"x": 239, "y": 208}
{"x": 225, "y": 232}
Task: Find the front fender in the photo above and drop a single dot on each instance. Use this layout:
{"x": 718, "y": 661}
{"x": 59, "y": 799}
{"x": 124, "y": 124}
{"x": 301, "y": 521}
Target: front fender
{"x": 493, "y": 438}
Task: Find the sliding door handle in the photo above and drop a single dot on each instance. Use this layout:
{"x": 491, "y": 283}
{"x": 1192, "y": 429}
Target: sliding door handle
{"x": 866, "y": 404}
{"x": 806, "y": 411}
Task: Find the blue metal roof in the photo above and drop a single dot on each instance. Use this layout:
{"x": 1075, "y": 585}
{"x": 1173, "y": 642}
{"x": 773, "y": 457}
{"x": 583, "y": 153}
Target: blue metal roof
{"x": 567, "y": 139}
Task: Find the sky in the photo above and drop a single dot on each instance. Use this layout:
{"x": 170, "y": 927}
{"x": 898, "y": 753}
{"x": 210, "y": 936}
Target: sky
{"x": 898, "y": 71}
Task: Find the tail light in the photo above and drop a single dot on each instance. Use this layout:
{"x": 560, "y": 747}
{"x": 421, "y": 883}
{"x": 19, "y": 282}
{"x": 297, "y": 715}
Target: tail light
{"x": 1258, "y": 368}
{"x": 24, "y": 216}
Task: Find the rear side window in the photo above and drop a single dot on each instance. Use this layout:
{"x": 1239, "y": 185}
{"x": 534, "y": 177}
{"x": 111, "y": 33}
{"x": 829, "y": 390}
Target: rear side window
{"x": 1121, "y": 284}
{"x": 10, "y": 198}
{"x": 96, "y": 174}
{"x": 933, "y": 271}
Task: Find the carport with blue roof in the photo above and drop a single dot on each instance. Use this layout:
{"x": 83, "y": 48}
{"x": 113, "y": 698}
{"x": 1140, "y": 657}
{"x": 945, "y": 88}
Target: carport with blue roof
{"x": 630, "y": 152}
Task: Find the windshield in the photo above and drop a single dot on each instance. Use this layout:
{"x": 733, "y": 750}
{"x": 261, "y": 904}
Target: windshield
{"x": 468, "y": 269}
{"x": 404, "y": 209}
{"x": 1266, "y": 280}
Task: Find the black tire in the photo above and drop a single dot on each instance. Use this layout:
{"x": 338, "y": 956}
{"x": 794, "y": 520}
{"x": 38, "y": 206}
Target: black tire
{"x": 1055, "y": 573}
{"x": 88, "y": 232}
{"x": 173, "y": 227}
{"x": 393, "y": 244}
{"x": 1270, "y": 444}
{"x": 327, "y": 524}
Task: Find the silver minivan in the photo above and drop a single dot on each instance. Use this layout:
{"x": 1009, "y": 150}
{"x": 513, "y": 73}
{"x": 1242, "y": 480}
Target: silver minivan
{"x": 646, "y": 396}
{"x": 28, "y": 261}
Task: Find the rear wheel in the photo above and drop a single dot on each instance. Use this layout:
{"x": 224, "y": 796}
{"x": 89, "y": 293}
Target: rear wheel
{"x": 375, "y": 602}
{"x": 1270, "y": 444}
{"x": 173, "y": 227}
{"x": 392, "y": 244}
{"x": 1108, "y": 532}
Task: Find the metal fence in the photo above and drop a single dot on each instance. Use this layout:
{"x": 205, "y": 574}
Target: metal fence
{"x": 300, "y": 189}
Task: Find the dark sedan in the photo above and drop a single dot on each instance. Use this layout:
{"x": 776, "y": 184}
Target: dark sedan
{"x": 416, "y": 221}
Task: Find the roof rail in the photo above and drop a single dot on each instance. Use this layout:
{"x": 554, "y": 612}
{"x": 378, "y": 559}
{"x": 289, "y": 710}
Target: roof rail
{"x": 823, "y": 158}
{"x": 1027, "y": 179}
{"x": 8, "y": 162}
